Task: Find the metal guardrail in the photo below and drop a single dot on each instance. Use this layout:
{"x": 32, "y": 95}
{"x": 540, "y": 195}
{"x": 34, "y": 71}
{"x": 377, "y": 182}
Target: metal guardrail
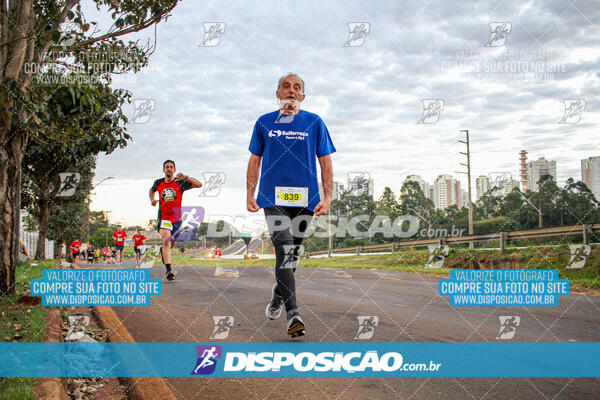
{"x": 585, "y": 230}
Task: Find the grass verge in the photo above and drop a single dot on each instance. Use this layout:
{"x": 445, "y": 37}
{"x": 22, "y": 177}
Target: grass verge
{"x": 537, "y": 257}
{"x": 22, "y": 323}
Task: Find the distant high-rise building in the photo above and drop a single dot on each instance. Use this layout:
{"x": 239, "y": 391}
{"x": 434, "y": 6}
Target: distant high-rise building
{"x": 463, "y": 201}
{"x": 336, "y": 191}
{"x": 446, "y": 192}
{"x": 483, "y": 185}
{"x": 523, "y": 169}
{"x": 590, "y": 174}
{"x": 360, "y": 183}
{"x": 504, "y": 187}
{"x": 538, "y": 168}
{"x": 425, "y": 187}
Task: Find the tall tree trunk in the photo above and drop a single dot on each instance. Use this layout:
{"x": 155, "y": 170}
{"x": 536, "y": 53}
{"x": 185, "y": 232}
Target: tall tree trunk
{"x": 12, "y": 149}
{"x": 57, "y": 250}
{"x": 44, "y": 207}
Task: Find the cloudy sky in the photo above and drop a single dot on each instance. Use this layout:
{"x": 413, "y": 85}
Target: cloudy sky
{"x": 510, "y": 95}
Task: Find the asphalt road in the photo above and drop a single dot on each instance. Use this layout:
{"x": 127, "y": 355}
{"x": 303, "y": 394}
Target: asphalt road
{"x": 330, "y": 300}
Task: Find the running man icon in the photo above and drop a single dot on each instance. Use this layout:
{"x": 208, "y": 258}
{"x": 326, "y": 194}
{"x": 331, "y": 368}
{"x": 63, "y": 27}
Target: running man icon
{"x": 68, "y": 183}
{"x": 366, "y": 326}
{"x": 207, "y": 359}
{"x": 508, "y": 327}
{"x": 223, "y": 324}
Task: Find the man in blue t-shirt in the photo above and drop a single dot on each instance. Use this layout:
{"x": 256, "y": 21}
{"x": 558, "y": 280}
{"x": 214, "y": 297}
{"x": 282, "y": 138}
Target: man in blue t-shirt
{"x": 288, "y": 142}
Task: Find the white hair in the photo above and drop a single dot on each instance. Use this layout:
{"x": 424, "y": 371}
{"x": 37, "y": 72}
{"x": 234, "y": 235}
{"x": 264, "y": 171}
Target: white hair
{"x": 290, "y": 74}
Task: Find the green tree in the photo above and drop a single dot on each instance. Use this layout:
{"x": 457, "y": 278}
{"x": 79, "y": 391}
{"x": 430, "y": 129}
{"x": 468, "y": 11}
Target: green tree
{"x": 413, "y": 202}
{"x": 387, "y": 204}
{"x": 456, "y": 217}
{"x": 96, "y": 220}
{"x": 87, "y": 129}
{"x": 347, "y": 207}
{"x": 32, "y": 37}
{"x": 98, "y": 236}
{"x": 581, "y": 188}
{"x": 576, "y": 204}
{"x": 65, "y": 224}
{"x": 488, "y": 206}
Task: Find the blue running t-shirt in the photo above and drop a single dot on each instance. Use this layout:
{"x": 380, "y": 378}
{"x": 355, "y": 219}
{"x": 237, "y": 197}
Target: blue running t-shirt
{"x": 289, "y": 147}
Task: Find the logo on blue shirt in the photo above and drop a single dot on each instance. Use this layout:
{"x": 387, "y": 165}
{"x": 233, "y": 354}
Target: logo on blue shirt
{"x": 287, "y": 134}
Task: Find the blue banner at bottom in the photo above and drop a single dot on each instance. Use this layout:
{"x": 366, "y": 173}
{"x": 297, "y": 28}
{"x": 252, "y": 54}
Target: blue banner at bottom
{"x": 303, "y": 359}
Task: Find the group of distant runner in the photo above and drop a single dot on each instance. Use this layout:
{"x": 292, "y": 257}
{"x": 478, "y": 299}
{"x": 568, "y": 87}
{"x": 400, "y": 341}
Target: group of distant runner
{"x": 87, "y": 253}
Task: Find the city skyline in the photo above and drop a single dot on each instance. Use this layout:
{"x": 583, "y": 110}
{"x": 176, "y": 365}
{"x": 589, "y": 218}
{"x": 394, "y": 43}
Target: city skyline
{"x": 592, "y": 163}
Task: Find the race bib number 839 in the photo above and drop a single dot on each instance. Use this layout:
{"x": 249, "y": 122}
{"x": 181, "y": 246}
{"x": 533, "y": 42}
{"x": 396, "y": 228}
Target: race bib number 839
{"x": 291, "y": 196}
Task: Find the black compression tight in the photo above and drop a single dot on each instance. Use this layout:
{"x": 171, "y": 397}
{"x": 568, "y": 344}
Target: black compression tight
{"x": 287, "y": 226}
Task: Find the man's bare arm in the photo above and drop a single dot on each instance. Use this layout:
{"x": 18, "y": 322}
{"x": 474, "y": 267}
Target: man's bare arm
{"x": 252, "y": 181}
{"x": 195, "y": 182}
{"x": 151, "y": 195}
{"x": 327, "y": 180}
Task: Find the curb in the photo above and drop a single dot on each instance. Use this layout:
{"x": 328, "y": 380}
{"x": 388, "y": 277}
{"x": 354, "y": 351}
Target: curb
{"x": 154, "y": 388}
{"x": 51, "y": 388}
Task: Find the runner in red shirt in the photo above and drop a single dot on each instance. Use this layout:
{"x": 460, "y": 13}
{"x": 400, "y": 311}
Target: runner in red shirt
{"x": 76, "y": 249}
{"x": 105, "y": 255}
{"x": 119, "y": 236}
{"x": 138, "y": 242}
{"x": 170, "y": 190}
